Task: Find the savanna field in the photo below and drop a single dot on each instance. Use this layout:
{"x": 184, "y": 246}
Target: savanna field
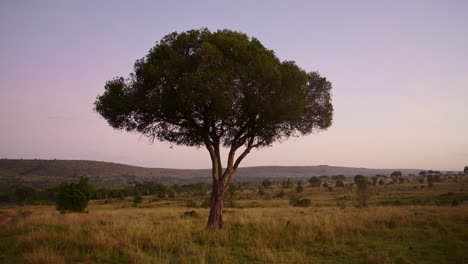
{"x": 403, "y": 223}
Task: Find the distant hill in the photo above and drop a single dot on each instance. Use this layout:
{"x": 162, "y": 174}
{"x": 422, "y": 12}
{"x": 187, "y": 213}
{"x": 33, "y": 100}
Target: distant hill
{"x": 43, "y": 173}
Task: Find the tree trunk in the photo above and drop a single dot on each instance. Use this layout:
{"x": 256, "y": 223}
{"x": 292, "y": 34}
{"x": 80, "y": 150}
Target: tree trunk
{"x": 215, "y": 220}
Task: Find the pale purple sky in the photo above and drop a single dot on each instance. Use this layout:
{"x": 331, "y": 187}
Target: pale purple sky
{"x": 399, "y": 71}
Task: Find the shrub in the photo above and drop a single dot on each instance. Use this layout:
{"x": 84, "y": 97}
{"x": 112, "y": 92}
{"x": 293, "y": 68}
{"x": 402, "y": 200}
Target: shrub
{"x": 299, "y": 202}
{"x": 73, "y": 197}
{"x": 287, "y": 184}
{"x": 281, "y": 194}
{"x": 137, "y": 199}
{"x": 339, "y": 183}
{"x": 363, "y": 192}
{"x": 266, "y": 183}
{"x": 299, "y": 187}
{"x": 455, "y": 202}
{"x": 315, "y": 181}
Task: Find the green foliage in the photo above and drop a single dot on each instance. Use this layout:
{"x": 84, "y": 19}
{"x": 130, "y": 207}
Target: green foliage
{"x": 299, "y": 187}
{"x": 363, "y": 193}
{"x": 339, "y": 183}
{"x": 73, "y": 197}
{"x": 266, "y": 183}
{"x": 297, "y": 201}
{"x": 315, "y": 181}
{"x": 281, "y": 194}
{"x": 223, "y": 85}
{"x": 361, "y": 181}
{"x": 137, "y": 199}
{"x": 396, "y": 174}
{"x": 287, "y": 184}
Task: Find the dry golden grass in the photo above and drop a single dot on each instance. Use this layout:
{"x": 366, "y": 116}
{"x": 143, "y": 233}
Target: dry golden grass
{"x": 252, "y": 235}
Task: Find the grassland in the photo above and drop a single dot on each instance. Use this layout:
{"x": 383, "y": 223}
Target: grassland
{"x": 404, "y": 224}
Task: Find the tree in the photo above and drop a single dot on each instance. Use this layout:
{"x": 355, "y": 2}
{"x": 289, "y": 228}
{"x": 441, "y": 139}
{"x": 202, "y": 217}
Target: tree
{"x": 266, "y": 183}
{"x": 217, "y": 89}
{"x": 465, "y": 170}
{"x": 315, "y": 181}
{"x": 299, "y": 187}
{"x": 339, "y": 183}
{"x": 423, "y": 173}
{"x": 73, "y": 197}
{"x": 362, "y": 189}
{"x": 396, "y": 174}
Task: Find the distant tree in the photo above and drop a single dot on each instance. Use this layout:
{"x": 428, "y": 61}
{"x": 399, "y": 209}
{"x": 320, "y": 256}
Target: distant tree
{"x": 339, "y": 183}
{"x": 363, "y": 192}
{"x": 396, "y": 174}
{"x": 465, "y": 170}
{"x": 430, "y": 180}
{"x": 73, "y": 197}
{"x": 374, "y": 181}
{"x": 299, "y": 187}
{"x": 423, "y": 173}
{"x": 381, "y": 182}
{"x": 315, "y": 181}
{"x": 217, "y": 89}
{"x": 287, "y": 184}
{"x": 338, "y": 177}
{"x": 266, "y": 183}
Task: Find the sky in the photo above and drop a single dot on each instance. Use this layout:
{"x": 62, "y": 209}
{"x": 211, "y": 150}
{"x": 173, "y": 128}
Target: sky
{"x": 399, "y": 71}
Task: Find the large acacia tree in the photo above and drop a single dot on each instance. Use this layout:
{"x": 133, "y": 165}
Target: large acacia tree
{"x": 217, "y": 89}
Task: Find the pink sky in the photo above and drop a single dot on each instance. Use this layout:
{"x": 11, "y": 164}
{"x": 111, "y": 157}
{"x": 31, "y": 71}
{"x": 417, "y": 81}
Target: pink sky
{"x": 399, "y": 71}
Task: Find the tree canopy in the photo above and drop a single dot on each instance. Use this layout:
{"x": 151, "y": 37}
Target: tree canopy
{"x": 215, "y": 89}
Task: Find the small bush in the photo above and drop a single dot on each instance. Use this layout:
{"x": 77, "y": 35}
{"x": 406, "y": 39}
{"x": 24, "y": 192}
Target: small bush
{"x": 190, "y": 214}
{"x": 299, "y": 202}
{"x": 266, "y": 183}
{"x": 137, "y": 199}
{"x": 299, "y": 187}
{"x": 73, "y": 197}
{"x": 456, "y": 202}
{"x": 339, "y": 183}
{"x": 281, "y": 194}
